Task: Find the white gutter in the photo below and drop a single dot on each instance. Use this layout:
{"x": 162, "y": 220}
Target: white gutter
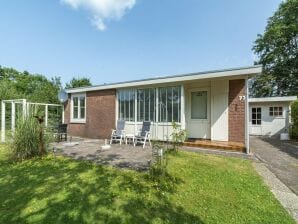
{"x": 169, "y": 79}
{"x": 273, "y": 99}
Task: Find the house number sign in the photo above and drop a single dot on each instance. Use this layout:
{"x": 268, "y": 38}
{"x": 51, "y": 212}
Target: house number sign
{"x": 241, "y": 97}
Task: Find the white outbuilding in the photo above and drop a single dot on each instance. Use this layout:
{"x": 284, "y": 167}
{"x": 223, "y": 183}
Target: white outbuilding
{"x": 270, "y": 116}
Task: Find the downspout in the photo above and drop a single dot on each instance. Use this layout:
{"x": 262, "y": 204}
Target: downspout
{"x": 182, "y": 105}
{"x": 116, "y": 107}
{"x": 247, "y": 117}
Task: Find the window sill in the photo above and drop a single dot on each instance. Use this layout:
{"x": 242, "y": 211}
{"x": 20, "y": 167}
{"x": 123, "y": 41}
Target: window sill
{"x": 200, "y": 120}
{"x": 152, "y": 122}
{"x": 75, "y": 121}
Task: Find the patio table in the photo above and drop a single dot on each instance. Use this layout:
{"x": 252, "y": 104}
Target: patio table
{"x": 129, "y": 138}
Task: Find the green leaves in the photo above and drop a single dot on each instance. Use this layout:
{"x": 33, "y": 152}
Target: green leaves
{"x": 34, "y": 87}
{"x": 294, "y": 116}
{"x": 277, "y": 49}
{"x": 78, "y": 82}
{"x": 178, "y": 136}
{"x": 26, "y": 138}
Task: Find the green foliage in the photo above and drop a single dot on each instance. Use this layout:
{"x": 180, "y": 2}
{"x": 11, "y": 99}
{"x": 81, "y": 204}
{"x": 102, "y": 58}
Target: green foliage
{"x": 198, "y": 189}
{"x": 29, "y": 139}
{"x": 8, "y": 90}
{"x": 34, "y": 87}
{"x": 78, "y": 82}
{"x": 26, "y": 138}
{"x": 294, "y": 116}
{"x": 178, "y": 136}
{"x": 277, "y": 49}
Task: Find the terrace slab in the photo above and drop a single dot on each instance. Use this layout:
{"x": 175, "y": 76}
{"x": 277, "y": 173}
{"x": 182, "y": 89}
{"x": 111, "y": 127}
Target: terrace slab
{"x": 122, "y": 156}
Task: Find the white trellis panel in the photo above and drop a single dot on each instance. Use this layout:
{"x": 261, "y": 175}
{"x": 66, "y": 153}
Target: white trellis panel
{"x": 25, "y": 111}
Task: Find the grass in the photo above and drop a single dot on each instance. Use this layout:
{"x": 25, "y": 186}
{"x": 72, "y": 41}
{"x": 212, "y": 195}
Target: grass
{"x": 8, "y": 136}
{"x": 197, "y": 189}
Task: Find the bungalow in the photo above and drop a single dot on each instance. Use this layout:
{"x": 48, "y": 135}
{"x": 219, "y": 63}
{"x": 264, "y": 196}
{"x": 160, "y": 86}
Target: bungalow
{"x": 209, "y": 105}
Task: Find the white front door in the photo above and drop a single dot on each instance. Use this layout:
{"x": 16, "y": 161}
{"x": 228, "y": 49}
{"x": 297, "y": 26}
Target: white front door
{"x": 198, "y": 113}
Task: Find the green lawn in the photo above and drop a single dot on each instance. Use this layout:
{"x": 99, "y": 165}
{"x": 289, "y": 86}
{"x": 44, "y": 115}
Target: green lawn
{"x": 198, "y": 189}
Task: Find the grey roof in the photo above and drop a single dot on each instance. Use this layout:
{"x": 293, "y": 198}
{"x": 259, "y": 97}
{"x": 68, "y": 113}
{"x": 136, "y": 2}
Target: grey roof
{"x": 161, "y": 78}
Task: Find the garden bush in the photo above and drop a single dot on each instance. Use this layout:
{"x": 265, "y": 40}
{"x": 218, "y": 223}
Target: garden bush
{"x": 294, "y": 117}
{"x": 26, "y": 140}
{"x": 178, "y": 136}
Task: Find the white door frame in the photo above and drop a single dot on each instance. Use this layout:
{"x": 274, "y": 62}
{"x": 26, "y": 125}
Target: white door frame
{"x": 256, "y": 129}
{"x": 198, "y": 128}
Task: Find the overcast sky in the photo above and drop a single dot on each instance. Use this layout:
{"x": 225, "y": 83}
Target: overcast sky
{"x": 119, "y": 40}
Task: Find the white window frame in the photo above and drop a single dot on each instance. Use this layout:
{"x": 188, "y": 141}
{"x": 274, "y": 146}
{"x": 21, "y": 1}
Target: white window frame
{"x": 79, "y": 119}
{"x": 208, "y": 103}
{"x": 156, "y": 114}
{"x": 131, "y": 94}
{"x": 144, "y": 106}
{"x": 179, "y": 108}
{"x": 256, "y": 113}
{"x": 273, "y": 111}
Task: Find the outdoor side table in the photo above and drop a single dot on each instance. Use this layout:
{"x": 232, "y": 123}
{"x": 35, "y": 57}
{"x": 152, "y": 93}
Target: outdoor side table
{"x": 129, "y": 138}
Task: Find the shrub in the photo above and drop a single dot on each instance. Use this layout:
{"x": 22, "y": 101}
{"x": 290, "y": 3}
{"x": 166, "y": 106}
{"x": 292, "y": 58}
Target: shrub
{"x": 26, "y": 140}
{"x": 294, "y": 117}
{"x": 178, "y": 136}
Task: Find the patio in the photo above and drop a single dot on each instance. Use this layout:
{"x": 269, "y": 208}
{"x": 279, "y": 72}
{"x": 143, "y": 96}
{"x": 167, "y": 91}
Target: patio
{"x": 122, "y": 156}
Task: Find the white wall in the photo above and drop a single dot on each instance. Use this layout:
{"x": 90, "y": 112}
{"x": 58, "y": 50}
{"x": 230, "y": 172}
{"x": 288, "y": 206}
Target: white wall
{"x": 269, "y": 125}
{"x": 158, "y": 130}
{"x": 219, "y": 110}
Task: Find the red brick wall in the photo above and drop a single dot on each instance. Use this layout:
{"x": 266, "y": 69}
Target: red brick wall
{"x": 236, "y": 111}
{"x": 100, "y": 115}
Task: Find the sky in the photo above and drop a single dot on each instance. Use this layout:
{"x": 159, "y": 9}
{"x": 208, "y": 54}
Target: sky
{"x": 120, "y": 40}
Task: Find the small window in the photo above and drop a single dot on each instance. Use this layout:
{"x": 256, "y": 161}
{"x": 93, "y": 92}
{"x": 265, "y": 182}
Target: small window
{"x": 199, "y": 105}
{"x": 256, "y": 115}
{"x": 275, "y": 111}
{"x": 78, "y": 108}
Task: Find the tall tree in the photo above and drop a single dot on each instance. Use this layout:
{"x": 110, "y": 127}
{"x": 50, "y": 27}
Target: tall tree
{"x": 34, "y": 87}
{"x": 78, "y": 82}
{"x": 277, "y": 49}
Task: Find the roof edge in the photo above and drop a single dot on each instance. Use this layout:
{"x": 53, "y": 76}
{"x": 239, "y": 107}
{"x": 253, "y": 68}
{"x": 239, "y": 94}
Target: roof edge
{"x": 249, "y": 70}
{"x": 273, "y": 99}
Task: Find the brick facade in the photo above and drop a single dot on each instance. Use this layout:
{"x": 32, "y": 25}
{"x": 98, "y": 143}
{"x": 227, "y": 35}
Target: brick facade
{"x": 237, "y": 110}
{"x": 100, "y": 115}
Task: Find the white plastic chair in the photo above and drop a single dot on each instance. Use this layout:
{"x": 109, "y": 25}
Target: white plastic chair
{"x": 118, "y": 134}
{"x": 144, "y": 134}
